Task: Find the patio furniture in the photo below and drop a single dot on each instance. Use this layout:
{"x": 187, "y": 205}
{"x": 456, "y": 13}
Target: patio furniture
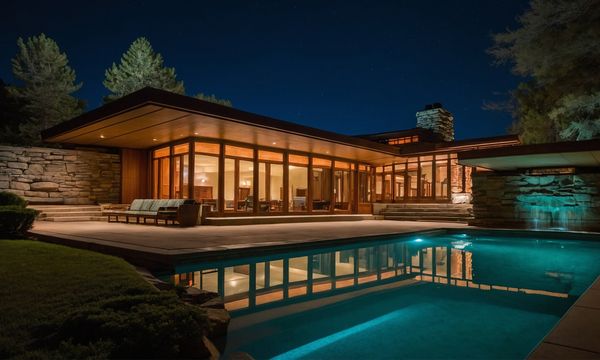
{"x": 158, "y": 209}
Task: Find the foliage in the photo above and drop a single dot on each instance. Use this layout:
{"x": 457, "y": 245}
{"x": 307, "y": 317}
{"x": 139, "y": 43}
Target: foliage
{"x": 213, "y": 99}
{"x": 147, "y": 325}
{"x": 10, "y": 115}
{"x": 556, "y": 48}
{"x": 47, "y": 84}
{"x": 140, "y": 67}
{"x": 85, "y": 290}
{"x": 8, "y": 198}
{"x": 16, "y": 220}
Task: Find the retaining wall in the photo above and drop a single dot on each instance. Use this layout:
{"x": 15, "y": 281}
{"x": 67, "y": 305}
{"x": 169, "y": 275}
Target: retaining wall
{"x": 58, "y": 176}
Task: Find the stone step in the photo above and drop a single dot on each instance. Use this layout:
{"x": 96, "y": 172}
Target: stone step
{"x": 74, "y": 218}
{"x": 430, "y": 206}
{"x": 66, "y": 208}
{"x": 461, "y": 219}
{"x": 70, "y": 213}
{"x": 424, "y": 211}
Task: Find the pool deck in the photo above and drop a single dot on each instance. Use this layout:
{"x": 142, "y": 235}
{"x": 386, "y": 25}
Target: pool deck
{"x": 162, "y": 246}
{"x": 577, "y": 334}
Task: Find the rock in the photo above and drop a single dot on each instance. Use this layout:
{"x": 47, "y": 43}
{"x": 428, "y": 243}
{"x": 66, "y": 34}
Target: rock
{"x": 19, "y": 185}
{"x": 44, "y": 186}
{"x": 34, "y": 169}
{"x": 197, "y": 296}
{"x": 17, "y": 165}
{"x": 219, "y": 322}
{"x": 216, "y": 303}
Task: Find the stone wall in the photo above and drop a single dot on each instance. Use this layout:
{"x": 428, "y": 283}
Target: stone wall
{"x": 437, "y": 119}
{"x": 57, "y": 176}
{"x": 568, "y": 202}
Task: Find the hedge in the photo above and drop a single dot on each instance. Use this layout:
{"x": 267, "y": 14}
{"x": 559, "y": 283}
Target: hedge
{"x": 16, "y": 220}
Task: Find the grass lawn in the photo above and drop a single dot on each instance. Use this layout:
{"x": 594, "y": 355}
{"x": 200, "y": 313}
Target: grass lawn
{"x": 42, "y": 283}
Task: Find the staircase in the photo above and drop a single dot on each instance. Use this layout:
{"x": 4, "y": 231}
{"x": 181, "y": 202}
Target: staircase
{"x": 69, "y": 212}
{"x": 428, "y": 212}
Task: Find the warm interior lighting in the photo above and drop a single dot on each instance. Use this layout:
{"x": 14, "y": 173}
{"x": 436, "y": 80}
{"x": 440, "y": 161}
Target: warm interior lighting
{"x": 101, "y": 136}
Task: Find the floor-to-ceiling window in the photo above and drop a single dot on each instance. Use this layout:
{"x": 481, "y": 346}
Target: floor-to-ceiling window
{"x": 365, "y": 184}
{"x": 298, "y": 182}
{"x": 239, "y": 179}
{"x": 342, "y": 186}
{"x": 206, "y": 174}
{"x": 412, "y": 178}
{"x": 161, "y": 173}
{"x": 181, "y": 170}
{"x": 442, "y": 185}
{"x": 399, "y": 181}
{"x": 270, "y": 181}
{"x": 321, "y": 185}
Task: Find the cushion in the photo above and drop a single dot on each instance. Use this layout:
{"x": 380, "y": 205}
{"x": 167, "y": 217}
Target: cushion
{"x": 146, "y": 204}
{"x": 175, "y": 202}
{"x": 136, "y": 204}
{"x": 158, "y": 203}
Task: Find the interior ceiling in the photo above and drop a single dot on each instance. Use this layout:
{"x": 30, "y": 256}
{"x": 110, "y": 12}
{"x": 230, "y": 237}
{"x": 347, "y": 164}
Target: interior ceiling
{"x": 152, "y": 125}
{"x": 515, "y": 162}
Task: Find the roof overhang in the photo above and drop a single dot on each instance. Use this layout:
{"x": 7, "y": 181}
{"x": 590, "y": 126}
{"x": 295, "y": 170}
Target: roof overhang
{"x": 150, "y": 117}
{"x": 562, "y": 154}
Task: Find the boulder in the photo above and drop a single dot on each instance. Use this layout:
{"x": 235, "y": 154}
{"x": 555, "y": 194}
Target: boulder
{"x": 197, "y": 296}
{"x": 219, "y": 322}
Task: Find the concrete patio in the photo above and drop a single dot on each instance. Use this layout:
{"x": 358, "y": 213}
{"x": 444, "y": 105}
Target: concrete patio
{"x": 158, "y": 246}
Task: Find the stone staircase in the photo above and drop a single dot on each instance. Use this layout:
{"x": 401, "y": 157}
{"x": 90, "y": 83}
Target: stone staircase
{"x": 69, "y": 213}
{"x": 428, "y": 212}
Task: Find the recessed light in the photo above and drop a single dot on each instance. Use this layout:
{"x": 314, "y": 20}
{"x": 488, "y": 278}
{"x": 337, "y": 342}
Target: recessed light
{"x": 274, "y": 143}
{"x": 155, "y": 139}
{"x": 195, "y": 133}
{"x": 101, "y": 136}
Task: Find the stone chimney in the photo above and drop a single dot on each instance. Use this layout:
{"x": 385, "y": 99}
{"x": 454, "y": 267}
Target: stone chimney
{"x": 434, "y": 117}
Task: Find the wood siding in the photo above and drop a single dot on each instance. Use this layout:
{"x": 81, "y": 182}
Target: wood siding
{"x": 134, "y": 175}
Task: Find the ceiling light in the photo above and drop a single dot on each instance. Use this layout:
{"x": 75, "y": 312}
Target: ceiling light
{"x": 155, "y": 139}
{"x": 195, "y": 133}
{"x": 101, "y": 136}
{"x": 274, "y": 143}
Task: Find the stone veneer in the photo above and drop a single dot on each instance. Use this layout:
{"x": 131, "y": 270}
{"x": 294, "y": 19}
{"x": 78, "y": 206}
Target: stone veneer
{"x": 57, "y": 176}
{"x": 437, "y": 119}
{"x": 567, "y": 201}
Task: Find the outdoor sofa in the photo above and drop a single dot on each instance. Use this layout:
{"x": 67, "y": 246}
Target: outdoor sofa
{"x": 184, "y": 211}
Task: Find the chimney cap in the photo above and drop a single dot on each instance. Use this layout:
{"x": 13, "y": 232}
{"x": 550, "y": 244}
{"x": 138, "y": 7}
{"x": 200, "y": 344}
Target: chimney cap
{"x": 435, "y": 105}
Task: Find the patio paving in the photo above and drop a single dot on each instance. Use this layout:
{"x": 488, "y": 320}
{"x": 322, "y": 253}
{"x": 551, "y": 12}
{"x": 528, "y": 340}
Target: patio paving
{"x": 139, "y": 243}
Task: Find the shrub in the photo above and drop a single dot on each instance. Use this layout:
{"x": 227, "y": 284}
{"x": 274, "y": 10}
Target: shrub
{"x": 15, "y": 220}
{"x": 135, "y": 326}
{"x": 8, "y": 198}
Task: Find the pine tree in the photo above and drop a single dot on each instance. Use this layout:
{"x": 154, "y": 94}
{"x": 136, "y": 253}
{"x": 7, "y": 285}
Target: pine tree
{"x": 10, "y": 116}
{"x": 556, "y": 47}
{"x": 48, "y": 83}
{"x": 140, "y": 66}
{"x": 213, "y": 99}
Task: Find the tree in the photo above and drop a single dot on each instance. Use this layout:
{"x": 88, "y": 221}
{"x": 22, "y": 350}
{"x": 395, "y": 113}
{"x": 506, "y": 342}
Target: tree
{"x": 556, "y": 47}
{"x": 140, "y": 66}
{"x": 10, "y": 116}
{"x": 48, "y": 82}
{"x": 213, "y": 99}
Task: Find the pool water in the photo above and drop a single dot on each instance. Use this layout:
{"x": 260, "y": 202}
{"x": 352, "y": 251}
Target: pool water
{"x": 471, "y": 295}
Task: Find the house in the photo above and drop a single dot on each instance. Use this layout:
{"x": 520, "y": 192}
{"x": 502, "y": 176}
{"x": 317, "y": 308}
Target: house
{"x": 240, "y": 163}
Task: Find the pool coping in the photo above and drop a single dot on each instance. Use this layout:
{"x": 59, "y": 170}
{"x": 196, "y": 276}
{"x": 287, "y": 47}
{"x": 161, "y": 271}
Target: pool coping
{"x": 576, "y": 335}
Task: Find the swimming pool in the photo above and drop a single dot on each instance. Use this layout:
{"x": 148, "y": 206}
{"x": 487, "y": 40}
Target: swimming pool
{"x": 436, "y": 295}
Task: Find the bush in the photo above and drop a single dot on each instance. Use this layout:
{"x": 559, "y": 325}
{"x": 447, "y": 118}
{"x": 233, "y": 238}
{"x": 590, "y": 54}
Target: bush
{"x": 8, "y": 198}
{"x": 134, "y": 326}
{"x": 15, "y": 220}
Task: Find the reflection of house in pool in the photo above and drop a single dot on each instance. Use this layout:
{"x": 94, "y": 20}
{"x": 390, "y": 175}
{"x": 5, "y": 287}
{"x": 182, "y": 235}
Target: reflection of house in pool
{"x": 250, "y": 283}
{"x": 239, "y": 163}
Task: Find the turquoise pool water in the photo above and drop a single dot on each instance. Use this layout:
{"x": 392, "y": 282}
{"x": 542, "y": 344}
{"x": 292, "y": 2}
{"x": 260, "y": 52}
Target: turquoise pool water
{"x": 476, "y": 295}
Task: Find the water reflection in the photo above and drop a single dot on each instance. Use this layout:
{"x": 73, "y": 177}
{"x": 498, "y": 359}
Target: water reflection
{"x": 249, "y": 284}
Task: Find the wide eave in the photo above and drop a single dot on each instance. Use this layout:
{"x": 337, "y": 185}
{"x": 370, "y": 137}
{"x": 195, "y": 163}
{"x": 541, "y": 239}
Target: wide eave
{"x": 150, "y": 117}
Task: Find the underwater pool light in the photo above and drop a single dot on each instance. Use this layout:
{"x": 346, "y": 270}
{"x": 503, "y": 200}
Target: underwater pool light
{"x": 419, "y": 240}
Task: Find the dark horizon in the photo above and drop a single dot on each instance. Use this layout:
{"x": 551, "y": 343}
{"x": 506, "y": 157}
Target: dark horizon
{"x": 350, "y": 67}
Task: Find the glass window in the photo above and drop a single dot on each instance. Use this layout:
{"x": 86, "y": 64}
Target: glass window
{"x": 246, "y": 176}
{"x": 181, "y": 149}
{"x": 162, "y": 152}
{"x": 321, "y": 185}
{"x": 342, "y": 186}
{"x": 164, "y": 182}
{"x": 207, "y": 148}
{"x": 270, "y": 189}
{"x": 426, "y": 180}
{"x": 412, "y": 179}
{"x": 270, "y": 156}
{"x": 344, "y": 268}
{"x": 298, "y": 276}
{"x": 229, "y": 174}
{"x": 441, "y": 179}
{"x": 237, "y": 151}
{"x": 367, "y": 269}
{"x": 298, "y": 184}
{"x": 298, "y": 159}
{"x": 206, "y": 180}
{"x": 364, "y": 184}
{"x": 322, "y": 271}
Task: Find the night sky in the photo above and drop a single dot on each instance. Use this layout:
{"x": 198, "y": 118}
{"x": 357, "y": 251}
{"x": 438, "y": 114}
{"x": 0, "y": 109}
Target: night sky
{"x": 348, "y": 66}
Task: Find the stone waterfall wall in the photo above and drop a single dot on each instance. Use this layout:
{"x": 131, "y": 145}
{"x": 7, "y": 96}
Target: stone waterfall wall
{"x": 570, "y": 202}
{"x": 57, "y": 176}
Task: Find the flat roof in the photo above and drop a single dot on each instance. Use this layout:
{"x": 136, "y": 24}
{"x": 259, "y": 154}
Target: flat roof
{"x": 151, "y": 117}
{"x": 562, "y": 154}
